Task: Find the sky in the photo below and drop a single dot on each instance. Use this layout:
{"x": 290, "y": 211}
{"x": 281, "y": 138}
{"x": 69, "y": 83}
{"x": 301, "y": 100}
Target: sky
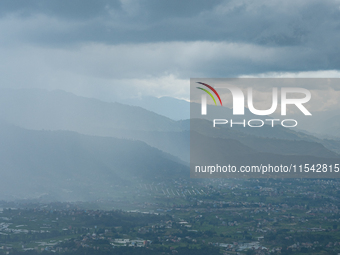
{"x": 132, "y": 48}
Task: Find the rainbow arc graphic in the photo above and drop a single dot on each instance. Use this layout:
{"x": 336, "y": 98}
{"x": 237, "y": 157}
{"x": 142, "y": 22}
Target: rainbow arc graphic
{"x": 209, "y": 93}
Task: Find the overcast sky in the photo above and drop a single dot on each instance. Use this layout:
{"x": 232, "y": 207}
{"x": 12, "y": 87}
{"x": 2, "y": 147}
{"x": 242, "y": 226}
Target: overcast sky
{"x": 106, "y": 49}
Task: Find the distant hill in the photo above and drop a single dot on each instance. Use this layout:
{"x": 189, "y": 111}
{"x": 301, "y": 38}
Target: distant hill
{"x": 179, "y": 109}
{"x": 325, "y": 124}
{"x": 69, "y": 166}
{"x": 59, "y": 110}
{"x": 59, "y": 146}
{"x": 285, "y": 142}
{"x": 280, "y": 141}
{"x": 173, "y": 108}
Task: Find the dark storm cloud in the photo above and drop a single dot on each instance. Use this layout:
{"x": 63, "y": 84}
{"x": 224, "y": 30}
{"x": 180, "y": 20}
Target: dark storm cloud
{"x": 104, "y": 42}
{"x": 112, "y": 22}
{"x": 74, "y": 9}
{"x": 281, "y": 23}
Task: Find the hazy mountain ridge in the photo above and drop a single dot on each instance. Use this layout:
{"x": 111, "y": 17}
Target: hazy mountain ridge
{"x": 178, "y": 109}
{"x": 91, "y": 160}
{"x": 320, "y": 123}
{"x": 266, "y": 144}
{"x": 38, "y": 162}
{"x": 172, "y": 108}
{"x": 178, "y": 143}
{"x": 58, "y": 110}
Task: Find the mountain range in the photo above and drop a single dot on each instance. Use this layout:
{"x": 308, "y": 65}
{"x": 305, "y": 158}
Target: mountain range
{"x": 61, "y": 146}
{"x": 70, "y": 166}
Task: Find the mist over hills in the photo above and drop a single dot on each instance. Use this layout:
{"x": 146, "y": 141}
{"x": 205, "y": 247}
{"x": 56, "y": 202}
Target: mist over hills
{"x": 324, "y": 124}
{"x": 59, "y": 110}
{"x": 172, "y": 108}
{"x": 61, "y": 146}
{"x": 278, "y": 140}
{"x": 64, "y": 165}
{"x": 285, "y": 142}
